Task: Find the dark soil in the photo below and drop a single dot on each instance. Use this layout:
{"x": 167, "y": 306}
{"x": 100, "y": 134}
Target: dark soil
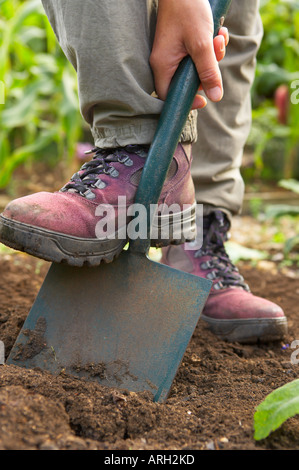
{"x": 212, "y": 401}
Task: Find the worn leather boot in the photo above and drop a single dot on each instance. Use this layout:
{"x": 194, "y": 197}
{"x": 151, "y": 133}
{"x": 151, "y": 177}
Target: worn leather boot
{"x": 86, "y": 221}
{"x": 232, "y": 312}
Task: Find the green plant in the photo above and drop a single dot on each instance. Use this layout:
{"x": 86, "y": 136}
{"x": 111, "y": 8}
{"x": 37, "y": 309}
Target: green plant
{"x": 278, "y": 406}
{"x": 40, "y": 117}
{"x": 275, "y": 143}
{"x": 278, "y": 210}
{"x": 290, "y": 184}
{"x": 239, "y": 252}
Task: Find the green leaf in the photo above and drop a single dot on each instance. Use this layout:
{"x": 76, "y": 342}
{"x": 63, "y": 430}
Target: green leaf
{"x": 23, "y": 110}
{"x": 291, "y": 184}
{"x": 278, "y": 210}
{"x": 291, "y": 244}
{"x": 18, "y": 156}
{"x": 278, "y": 406}
{"x": 25, "y": 9}
{"x": 12, "y": 26}
{"x": 238, "y": 252}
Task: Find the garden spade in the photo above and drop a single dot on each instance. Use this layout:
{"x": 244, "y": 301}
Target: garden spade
{"x": 125, "y": 324}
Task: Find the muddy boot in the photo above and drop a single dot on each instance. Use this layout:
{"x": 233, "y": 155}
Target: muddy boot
{"x": 232, "y": 312}
{"x": 86, "y": 221}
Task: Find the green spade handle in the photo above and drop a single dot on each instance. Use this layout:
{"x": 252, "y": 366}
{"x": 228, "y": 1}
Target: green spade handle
{"x": 181, "y": 94}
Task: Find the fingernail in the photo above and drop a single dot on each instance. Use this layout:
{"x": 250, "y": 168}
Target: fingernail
{"x": 222, "y": 47}
{"x": 215, "y": 94}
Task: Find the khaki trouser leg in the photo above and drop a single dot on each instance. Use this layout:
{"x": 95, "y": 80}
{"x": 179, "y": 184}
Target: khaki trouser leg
{"x": 109, "y": 43}
{"x": 223, "y": 127}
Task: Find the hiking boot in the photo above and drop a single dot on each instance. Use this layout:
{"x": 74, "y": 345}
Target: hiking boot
{"x": 232, "y": 312}
{"x": 86, "y": 221}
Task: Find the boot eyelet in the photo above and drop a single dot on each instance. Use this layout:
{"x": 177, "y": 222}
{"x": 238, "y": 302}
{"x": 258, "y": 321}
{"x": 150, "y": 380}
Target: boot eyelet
{"x": 125, "y": 160}
{"x": 206, "y": 265}
{"x": 111, "y": 171}
{"x": 100, "y": 184}
{"x": 211, "y": 275}
{"x": 218, "y": 285}
{"x": 89, "y": 195}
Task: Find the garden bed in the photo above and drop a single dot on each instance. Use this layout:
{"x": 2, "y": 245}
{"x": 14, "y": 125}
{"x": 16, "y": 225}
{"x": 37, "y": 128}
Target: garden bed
{"x": 212, "y": 401}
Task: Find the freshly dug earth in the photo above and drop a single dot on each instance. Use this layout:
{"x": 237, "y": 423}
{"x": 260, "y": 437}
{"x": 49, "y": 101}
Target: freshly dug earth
{"x": 212, "y": 401}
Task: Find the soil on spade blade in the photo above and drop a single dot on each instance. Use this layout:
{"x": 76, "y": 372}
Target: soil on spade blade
{"x": 212, "y": 401}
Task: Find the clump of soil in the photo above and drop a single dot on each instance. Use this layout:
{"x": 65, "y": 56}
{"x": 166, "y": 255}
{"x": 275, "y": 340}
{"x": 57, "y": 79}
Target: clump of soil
{"x": 212, "y": 400}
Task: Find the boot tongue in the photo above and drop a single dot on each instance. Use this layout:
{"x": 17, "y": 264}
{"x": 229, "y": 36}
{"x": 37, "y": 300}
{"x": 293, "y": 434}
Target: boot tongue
{"x": 215, "y": 229}
{"x": 215, "y": 233}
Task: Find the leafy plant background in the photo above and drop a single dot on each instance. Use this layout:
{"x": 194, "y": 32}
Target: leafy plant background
{"x": 274, "y": 139}
{"x": 40, "y": 118}
{"x": 40, "y": 121}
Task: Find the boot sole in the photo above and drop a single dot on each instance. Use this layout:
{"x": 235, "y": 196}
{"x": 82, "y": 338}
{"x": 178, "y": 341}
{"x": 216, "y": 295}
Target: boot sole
{"x": 74, "y": 251}
{"x": 248, "y": 331}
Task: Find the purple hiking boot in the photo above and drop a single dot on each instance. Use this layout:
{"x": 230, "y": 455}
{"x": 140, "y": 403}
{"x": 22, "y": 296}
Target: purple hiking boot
{"x": 232, "y": 312}
{"x": 86, "y": 221}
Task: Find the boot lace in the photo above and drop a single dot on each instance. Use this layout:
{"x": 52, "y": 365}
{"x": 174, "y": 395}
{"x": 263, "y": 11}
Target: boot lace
{"x": 87, "y": 178}
{"x": 215, "y": 230}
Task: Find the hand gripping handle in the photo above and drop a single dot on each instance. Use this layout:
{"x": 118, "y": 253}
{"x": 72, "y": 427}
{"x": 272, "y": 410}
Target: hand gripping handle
{"x": 178, "y": 103}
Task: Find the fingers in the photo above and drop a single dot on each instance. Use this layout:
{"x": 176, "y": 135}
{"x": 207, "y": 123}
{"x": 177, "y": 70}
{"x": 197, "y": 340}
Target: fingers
{"x": 186, "y": 28}
{"x": 223, "y": 31}
{"x": 199, "y": 102}
{"x": 219, "y": 47}
{"x": 205, "y": 60}
{"x": 220, "y": 43}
